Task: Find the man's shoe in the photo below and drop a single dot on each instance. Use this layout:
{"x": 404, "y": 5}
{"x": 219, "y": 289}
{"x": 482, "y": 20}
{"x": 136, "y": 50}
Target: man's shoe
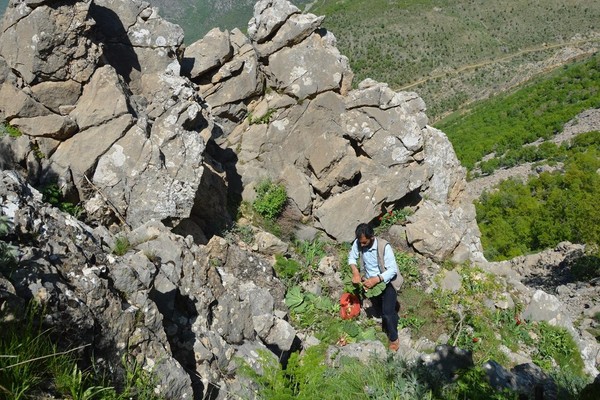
{"x": 395, "y": 345}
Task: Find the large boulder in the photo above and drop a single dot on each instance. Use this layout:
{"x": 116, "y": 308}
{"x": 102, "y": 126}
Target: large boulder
{"x": 41, "y": 41}
{"x": 127, "y": 136}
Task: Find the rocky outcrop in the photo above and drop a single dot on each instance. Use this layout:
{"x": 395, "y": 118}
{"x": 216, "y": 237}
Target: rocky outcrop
{"x": 187, "y": 313}
{"x": 545, "y": 284}
{"x": 345, "y": 156}
{"x": 131, "y": 134}
{"x": 106, "y": 112}
{"x": 159, "y": 139}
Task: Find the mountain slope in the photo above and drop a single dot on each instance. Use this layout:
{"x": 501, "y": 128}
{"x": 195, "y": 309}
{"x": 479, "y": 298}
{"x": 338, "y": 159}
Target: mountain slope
{"x": 452, "y": 52}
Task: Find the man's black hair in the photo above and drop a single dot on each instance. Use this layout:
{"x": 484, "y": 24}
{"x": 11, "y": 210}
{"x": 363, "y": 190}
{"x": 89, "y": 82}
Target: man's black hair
{"x": 365, "y": 230}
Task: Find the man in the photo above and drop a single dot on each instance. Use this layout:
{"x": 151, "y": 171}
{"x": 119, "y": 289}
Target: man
{"x": 365, "y": 246}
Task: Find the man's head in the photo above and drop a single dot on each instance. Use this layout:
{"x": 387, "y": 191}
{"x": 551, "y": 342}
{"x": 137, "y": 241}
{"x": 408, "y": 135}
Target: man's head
{"x": 365, "y": 235}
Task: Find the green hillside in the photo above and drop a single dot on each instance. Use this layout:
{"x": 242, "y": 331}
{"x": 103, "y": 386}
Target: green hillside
{"x": 467, "y": 49}
{"x": 538, "y": 110}
{"x": 524, "y": 217}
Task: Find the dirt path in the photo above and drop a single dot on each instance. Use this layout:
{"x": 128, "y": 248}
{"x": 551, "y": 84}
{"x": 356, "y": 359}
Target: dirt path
{"x": 586, "y": 121}
{"x": 494, "y": 61}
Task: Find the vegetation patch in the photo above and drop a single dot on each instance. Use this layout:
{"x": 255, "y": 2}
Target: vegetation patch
{"x": 32, "y": 364}
{"x": 390, "y": 218}
{"x": 8, "y": 130}
{"x": 454, "y": 51}
{"x": 244, "y": 232}
{"x": 420, "y": 313}
{"x": 263, "y": 119}
{"x": 538, "y": 110}
{"x": 271, "y": 199}
{"x": 520, "y": 218}
{"x": 52, "y": 194}
{"x": 556, "y": 345}
{"x": 122, "y": 246}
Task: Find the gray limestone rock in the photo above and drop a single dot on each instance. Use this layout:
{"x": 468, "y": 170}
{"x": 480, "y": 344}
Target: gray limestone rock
{"x": 210, "y": 52}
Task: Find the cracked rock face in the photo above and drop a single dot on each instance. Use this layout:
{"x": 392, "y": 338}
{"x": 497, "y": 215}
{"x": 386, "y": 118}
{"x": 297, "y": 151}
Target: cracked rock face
{"x": 131, "y": 138}
{"x": 127, "y": 136}
{"x": 345, "y": 156}
{"x": 185, "y": 312}
{"x": 160, "y": 139}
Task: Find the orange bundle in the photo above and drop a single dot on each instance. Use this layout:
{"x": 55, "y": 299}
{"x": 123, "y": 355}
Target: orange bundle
{"x": 349, "y": 306}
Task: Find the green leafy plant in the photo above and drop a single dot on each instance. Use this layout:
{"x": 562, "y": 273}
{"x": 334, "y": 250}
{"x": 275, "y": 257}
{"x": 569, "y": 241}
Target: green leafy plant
{"x": 79, "y": 385}
{"x": 52, "y": 194}
{"x": 122, "y": 246}
{"x": 473, "y": 384}
{"x": 555, "y": 343}
{"x": 139, "y": 383}
{"x": 37, "y": 152}
{"x": 295, "y": 300}
{"x": 287, "y": 268}
{"x": 375, "y": 290}
{"x": 408, "y": 267}
{"x": 411, "y": 321}
{"x": 390, "y": 218}
{"x": 312, "y": 251}
{"x": 7, "y": 129}
{"x": 270, "y": 200}
{"x": 263, "y": 119}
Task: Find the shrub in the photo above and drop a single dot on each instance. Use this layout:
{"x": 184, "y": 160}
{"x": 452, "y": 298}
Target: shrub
{"x": 586, "y": 267}
{"x": 391, "y": 218}
{"x": 271, "y": 199}
{"x": 7, "y": 129}
{"x": 52, "y": 194}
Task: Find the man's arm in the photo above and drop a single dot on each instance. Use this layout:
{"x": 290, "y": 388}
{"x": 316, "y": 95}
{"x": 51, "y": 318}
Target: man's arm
{"x": 352, "y": 260}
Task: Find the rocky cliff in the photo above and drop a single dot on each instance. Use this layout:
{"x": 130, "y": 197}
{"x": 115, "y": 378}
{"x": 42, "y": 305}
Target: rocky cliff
{"x": 137, "y": 127}
{"x": 159, "y": 142}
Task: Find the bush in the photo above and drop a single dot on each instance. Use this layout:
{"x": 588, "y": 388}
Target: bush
{"x": 6, "y": 129}
{"x": 52, "y": 194}
{"x": 271, "y": 199}
{"x": 391, "y": 218}
{"x": 586, "y": 268}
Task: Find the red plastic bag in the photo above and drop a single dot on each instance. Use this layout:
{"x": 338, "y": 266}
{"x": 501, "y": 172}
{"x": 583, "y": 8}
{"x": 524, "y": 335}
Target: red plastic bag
{"x": 349, "y": 306}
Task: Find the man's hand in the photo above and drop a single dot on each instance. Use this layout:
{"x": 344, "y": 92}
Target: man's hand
{"x": 369, "y": 283}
